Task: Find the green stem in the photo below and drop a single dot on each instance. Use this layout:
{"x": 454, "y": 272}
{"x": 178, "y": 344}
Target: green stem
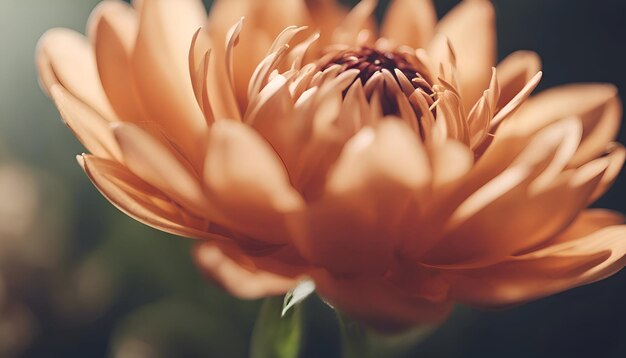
{"x": 361, "y": 342}
{"x": 276, "y": 335}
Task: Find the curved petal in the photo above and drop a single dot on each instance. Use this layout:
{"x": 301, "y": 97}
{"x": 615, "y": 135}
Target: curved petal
{"x": 514, "y": 72}
{"x": 351, "y": 228}
{"x": 410, "y": 22}
{"x": 115, "y": 30}
{"x": 378, "y": 302}
{"x": 221, "y": 262}
{"x": 527, "y": 204}
{"x": 597, "y": 105}
{"x": 358, "y": 26}
{"x": 93, "y": 131}
{"x": 326, "y": 16}
{"x": 161, "y": 67}
{"x": 153, "y": 162}
{"x": 263, "y": 22}
{"x": 141, "y": 201}
{"x": 616, "y": 155}
{"x": 66, "y": 58}
{"x": 587, "y": 256}
{"x": 450, "y": 162}
{"x": 208, "y": 62}
{"x": 470, "y": 26}
{"x": 248, "y": 181}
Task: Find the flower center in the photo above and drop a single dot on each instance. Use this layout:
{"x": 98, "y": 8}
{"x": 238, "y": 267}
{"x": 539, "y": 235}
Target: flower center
{"x": 370, "y": 61}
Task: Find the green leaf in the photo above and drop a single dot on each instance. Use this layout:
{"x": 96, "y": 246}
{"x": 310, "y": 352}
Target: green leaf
{"x": 298, "y": 294}
{"x": 277, "y": 336}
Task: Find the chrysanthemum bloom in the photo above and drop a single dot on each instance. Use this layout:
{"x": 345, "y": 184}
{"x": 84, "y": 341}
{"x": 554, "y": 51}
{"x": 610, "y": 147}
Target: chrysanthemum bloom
{"x": 396, "y": 167}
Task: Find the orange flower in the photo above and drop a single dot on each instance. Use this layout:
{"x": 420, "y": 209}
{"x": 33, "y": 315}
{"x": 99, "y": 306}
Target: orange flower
{"x": 400, "y": 180}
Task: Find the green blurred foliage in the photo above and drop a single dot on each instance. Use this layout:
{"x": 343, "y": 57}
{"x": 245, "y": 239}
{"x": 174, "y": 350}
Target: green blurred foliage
{"x": 106, "y": 286}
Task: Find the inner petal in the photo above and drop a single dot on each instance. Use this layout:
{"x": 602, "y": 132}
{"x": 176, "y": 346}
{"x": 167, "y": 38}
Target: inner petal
{"x": 372, "y": 63}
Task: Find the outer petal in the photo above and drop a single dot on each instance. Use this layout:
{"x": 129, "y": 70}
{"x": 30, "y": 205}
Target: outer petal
{"x": 378, "y": 302}
{"x": 514, "y": 72}
{"x": 158, "y": 165}
{"x": 616, "y": 154}
{"x": 586, "y": 253}
{"x": 161, "y": 67}
{"x": 471, "y": 30}
{"x": 89, "y": 127}
{"x": 248, "y": 182}
{"x": 596, "y": 104}
{"x": 351, "y": 228}
{"x": 410, "y": 22}
{"x": 528, "y": 203}
{"x": 221, "y": 262}
{"x": 115, "y": 27}
{"x": 65, "y": 57}
{"x": 141, "y": 201}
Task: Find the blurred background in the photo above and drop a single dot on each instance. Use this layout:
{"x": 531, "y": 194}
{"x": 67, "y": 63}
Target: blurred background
{"x": 80, "y": 279}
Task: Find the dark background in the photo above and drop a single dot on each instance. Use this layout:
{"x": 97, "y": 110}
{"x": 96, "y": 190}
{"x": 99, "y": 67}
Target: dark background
{"x": 106, "y": 286}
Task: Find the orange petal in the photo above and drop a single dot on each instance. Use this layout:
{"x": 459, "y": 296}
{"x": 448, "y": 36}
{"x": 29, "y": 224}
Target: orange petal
{"x": 207, "y": 61}
{"x": 66, "y": 58}
{"x": 470, "y": 26}
{"x": 147, "y": 158}
{"x": 89, "y": 127}
{"x": 221, "y": 262}
{"x": 378, "y": 302}
{"x": 518, "y": 100}
{"x": 583, "y": 258}
{"x": 351, "y": 227}
{"x": 597, "y": 105}
{"x": 410, "y": 22}
{"x": 161, "y": 67}
{"x": 115, "y": 30}
{"x": 451, "y": 161}
{"x": 514, "y": 72}
{"x": 588, "y": 222}
{"x": 357, "y": 27}
{"x": 526, "y": 204}
{"x": 616, "y": 155}
{"x": 246, "y": 177}
{"x": 326, "y": 16}
{"x": 141, "y": 201}
{"x": 263, "y": 22}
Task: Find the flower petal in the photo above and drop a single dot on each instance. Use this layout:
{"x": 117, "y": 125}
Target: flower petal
{"x": 161, "y": 67}
{"x": 591, "y": 253}
{"x": 528, "y": 203}
{"x": 514, "y": 72}
{"x": 470, "y": 26}
{"x": 66, "y": 58}
{"x": 221, "y": 262}
{"x": 264, "y": 21}
{"x": 378, "y": 302}
{"x": 154, "y": 163}
{"x": 410, "y": 22}
{"x": 616, "y": 155}
{"x": 596, "y": 104}
{"x": 350, "y": 228}
{"x": 141, "y": 201}
{"x": 89, "y": 127}
{"x": 115, "y": 30}
{"x": 357, "y": 27}
{"x": 326, "y": 16}
{"x": 248, "y": 181}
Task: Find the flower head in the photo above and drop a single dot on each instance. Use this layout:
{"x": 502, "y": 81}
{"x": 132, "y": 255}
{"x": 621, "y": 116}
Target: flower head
{"x": 397, "y": 167}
